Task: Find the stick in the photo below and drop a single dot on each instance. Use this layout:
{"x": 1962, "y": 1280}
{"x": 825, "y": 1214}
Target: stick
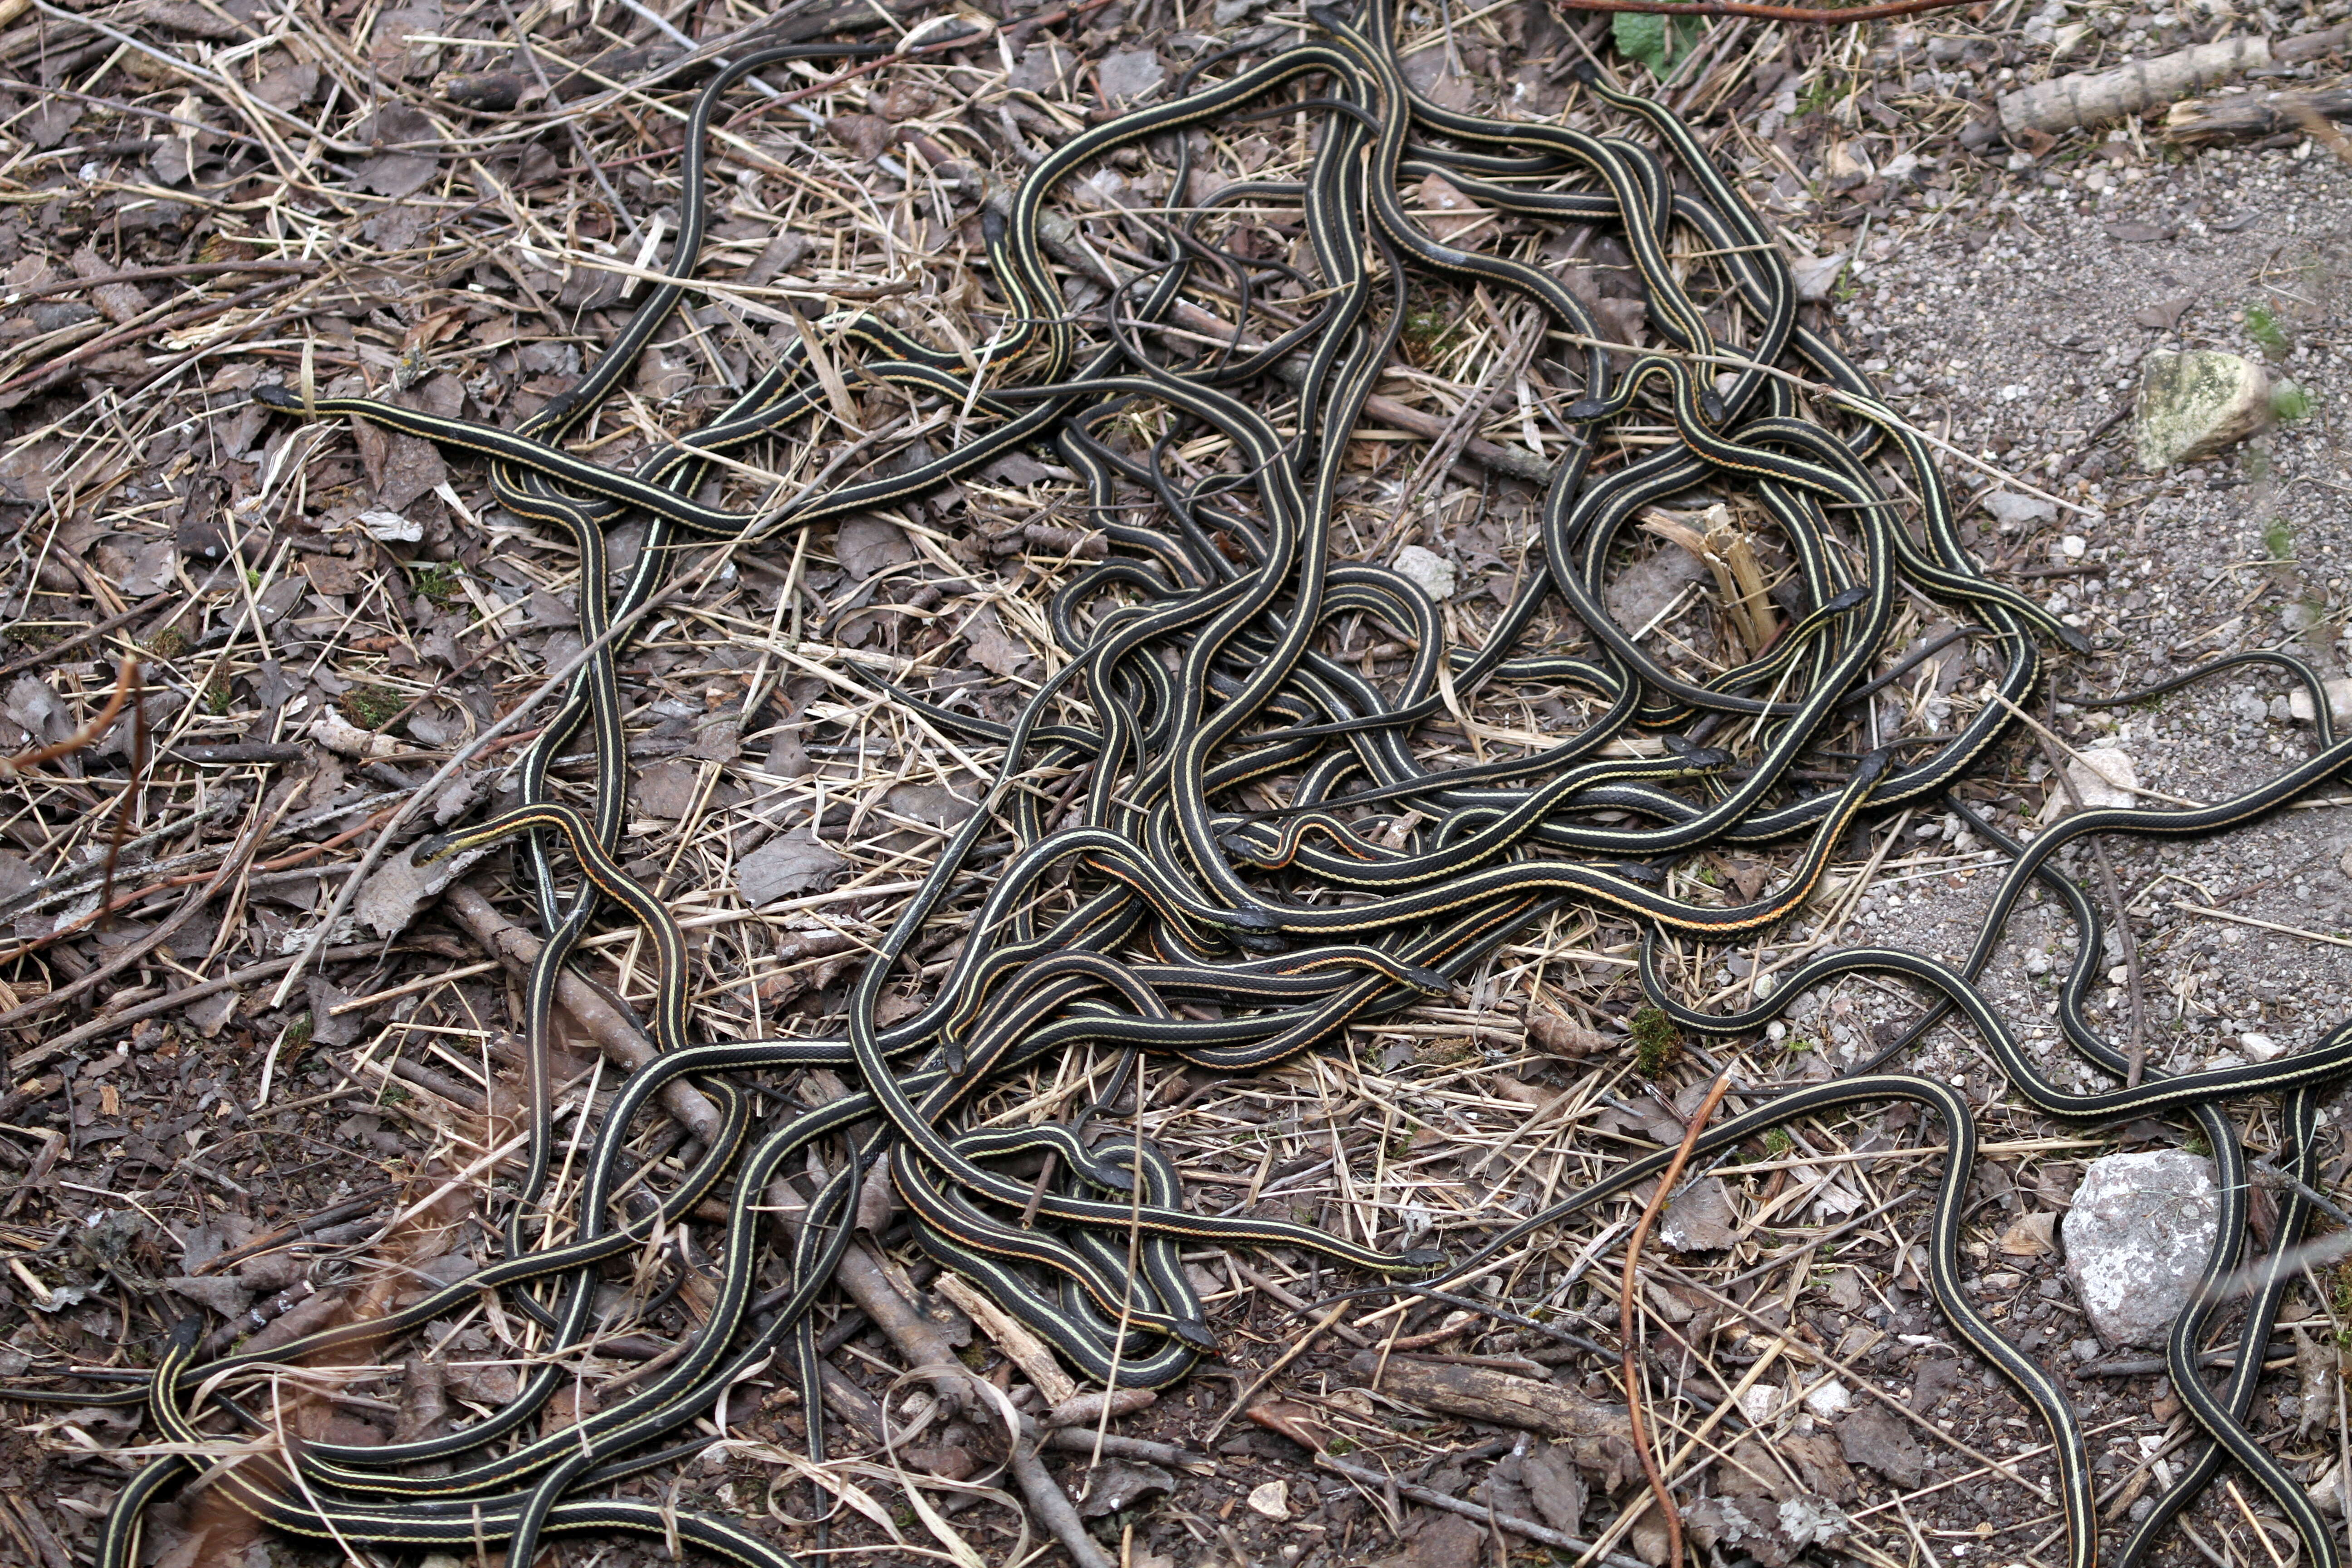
{"x": 1626, "y": 1309}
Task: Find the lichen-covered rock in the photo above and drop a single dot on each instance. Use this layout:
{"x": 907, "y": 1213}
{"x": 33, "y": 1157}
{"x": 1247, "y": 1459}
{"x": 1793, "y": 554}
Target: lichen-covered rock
{"x": 2195, "y": 404}
{"x": 2138, "y": 1235}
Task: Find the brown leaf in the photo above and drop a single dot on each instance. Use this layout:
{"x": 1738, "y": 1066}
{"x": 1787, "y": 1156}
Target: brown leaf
{"x": 867, "y": 544}
{"x": 1561, "y": 1036}
{"x": 992, "y": 648}
{"x": 2029, "y": 1237}
{"x": 1700, "y": 1219}
{"x": 867, "y": 135}
{"x": 1446, "y": 212}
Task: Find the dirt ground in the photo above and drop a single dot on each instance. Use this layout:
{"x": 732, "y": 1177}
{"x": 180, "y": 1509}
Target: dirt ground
{"x": 325, "y": 614}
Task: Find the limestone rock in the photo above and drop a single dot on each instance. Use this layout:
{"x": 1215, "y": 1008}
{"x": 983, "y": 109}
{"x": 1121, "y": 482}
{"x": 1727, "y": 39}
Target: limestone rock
{"x": 2339, "y": 702}
{"x": 1431, "y": 571}
{"x": 2196, "y": 404}
{"x": 2138, "y": 1235}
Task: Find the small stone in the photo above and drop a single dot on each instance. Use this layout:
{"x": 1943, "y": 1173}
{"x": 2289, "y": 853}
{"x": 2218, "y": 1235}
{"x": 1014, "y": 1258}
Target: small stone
{"x": 2073, "y": 546}
{"x": 2258, "y": 1047}
{"x": 1829, "y": 1401}
{"x": 2196, "y": 405}
{"x": 2339, "y": 702}
{"x": 2105, "y": 776}
{"x": 1271, "y": 1500}
{"x": 2014, "y": 511}
{"x": 1430, "y": 571}
{"x": 1817, "y": 275}
{"x": 2136, "y": 1238}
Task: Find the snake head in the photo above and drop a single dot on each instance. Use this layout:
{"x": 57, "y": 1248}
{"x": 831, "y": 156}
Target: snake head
{"x": 1711, "y": 405}
{"x": 1193, "y": 1332}
{"x": 2072, "y": 638}
{"x": 991, "y": 226}
{"x": 1585, "y": 72}
{"x": 1586, "y": 409}
{"x": 440, "y": 846}
{"x": 1874, "y": 766}
{"x": 187, "y": 1331}
{"x": 1327, "y": 18}
{"x": 278, "y": 398}
{"x": 1706, "y": 759}
{"x": 1423, "y": 1257}
{"x": 1428, "y": 979}
{"x": 1846, "y": 601}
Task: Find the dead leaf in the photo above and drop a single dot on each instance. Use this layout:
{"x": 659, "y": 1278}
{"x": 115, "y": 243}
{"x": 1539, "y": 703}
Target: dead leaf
{"x": 1446, "y": 212}
{"x": 867, "y": 544}
{"x": 1700, "y": 1219}
{"x": 783, "y": 866}
{"x": 399, "y": 888}
{"x": 1561, "y": 1036}
{"x": 992, "y": 648}
{"x": 2029, "y": 1237}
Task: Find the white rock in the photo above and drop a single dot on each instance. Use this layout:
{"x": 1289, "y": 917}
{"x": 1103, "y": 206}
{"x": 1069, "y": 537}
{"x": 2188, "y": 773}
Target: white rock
{"x": 2010, "y": 509}
{"x": 2258, "y": 1047}
{"x": 1829, "y": 1401}
{"x": 2339, "y": 702}
{"x": 2136, "y": 1238}
{"x": 1758, "y": 1403}
{"x": 1431, "y": 571}
{"x": 1272, "y": 1500}
{"x": 1817, "y": 275}
{"x": 391, "y": 527}
{"x": 2073, "y": 546}
{"x": 2105, "y": 776}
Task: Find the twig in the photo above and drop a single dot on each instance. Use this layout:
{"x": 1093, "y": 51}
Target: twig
{"x": 1627, "y": 1309}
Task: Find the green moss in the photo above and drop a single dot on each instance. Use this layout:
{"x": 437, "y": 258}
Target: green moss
{"x": 373, "y": 707}
{"x": 2290, "y": 402}
{"x": 1778, "y": 1143}
{"x": 2278, "y": 538}
{"x": 437, "y": 581}
{"x": 167, "y": 645}
{"x": 1657, "y": 1044}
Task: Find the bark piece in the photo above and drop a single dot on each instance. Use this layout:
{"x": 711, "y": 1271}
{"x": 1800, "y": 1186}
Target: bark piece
{"x": 1482, "y": 1393}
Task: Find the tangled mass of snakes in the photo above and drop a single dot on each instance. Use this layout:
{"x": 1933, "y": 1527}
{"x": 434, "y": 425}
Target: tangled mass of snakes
{"x": 1213, "y": 837}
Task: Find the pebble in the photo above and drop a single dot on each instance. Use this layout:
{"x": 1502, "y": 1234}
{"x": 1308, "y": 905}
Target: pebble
{"x": 2258, "y": 1047}
{"x": 2105, "y": 776}
{"x": 2012, "y": 509}
{"x": 2196, "y": 404}
{"x": 1433, "y": 572}
{"x": 1829, "y": 1401}
{"x": 2136, "y": 1237}
{"x": 1272, "y": 1500}
{"x": 2339, "y": 702}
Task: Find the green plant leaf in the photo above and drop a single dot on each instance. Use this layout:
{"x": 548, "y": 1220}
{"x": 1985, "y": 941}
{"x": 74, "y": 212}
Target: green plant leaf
{"x": 1658, "y": 42}
{"x": 1640, "y": 36}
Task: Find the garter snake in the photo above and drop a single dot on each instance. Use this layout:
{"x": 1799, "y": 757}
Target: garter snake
{"x": 1259, "y": 856}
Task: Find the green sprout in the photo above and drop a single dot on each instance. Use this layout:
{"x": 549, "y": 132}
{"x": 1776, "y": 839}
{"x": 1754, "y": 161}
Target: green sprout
{"x": 2278, "y": 538}
{"x": 2264, "y": 329}
{"x": 2290, "y": 402}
